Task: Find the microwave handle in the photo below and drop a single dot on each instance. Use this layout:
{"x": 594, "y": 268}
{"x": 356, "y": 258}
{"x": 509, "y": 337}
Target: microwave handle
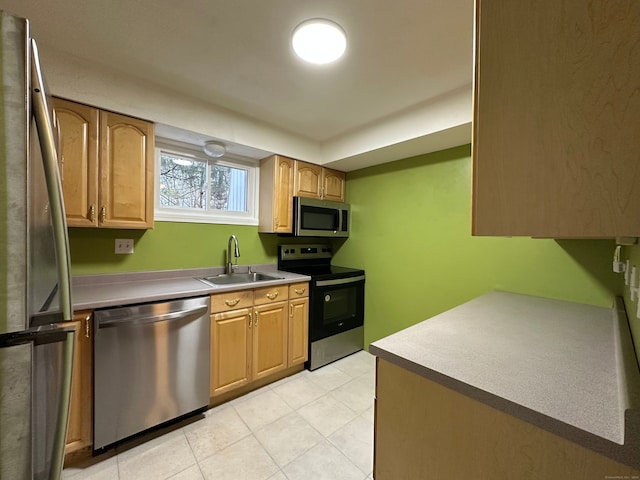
{"x": 341, "y": 214}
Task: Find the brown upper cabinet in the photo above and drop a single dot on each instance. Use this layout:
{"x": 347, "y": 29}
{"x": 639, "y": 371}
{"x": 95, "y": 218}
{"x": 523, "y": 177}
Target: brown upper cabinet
{"x": 282, "y": 178}
{"x": 106, "y": 163}
{"x": 314, "y": 181}
{"x": 556, "y": 145}
{"x": 276, "y": 195}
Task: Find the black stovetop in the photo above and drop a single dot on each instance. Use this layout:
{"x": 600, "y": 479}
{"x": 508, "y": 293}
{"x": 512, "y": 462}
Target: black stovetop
{"x": 313, "y": 260}
{"x": 323, "y": 272}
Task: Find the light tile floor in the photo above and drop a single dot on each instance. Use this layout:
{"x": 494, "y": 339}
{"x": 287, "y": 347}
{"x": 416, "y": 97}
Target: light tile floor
{"x": 310, "y": 426}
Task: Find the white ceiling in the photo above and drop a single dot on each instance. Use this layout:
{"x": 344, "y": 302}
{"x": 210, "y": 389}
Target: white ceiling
{"x": 402, "y": 58}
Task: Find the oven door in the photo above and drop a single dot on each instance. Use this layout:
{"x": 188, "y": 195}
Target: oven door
{"x": 336, "y": 305}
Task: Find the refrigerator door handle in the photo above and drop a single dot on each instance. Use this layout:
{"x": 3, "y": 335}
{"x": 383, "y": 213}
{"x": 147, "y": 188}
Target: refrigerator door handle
{"x": 60, "y": 437}
{"x": 54, "y": 185}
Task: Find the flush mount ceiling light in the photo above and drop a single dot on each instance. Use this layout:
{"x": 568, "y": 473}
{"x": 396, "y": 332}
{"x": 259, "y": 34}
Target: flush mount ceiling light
{"x": 214, "y": 149}
{"x": 319, "y": 41}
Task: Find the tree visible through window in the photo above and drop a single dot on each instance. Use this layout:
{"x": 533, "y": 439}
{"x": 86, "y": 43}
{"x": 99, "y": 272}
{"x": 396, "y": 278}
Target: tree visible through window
{"x": 182, "y": 182}
{"x": 191, "y": 183}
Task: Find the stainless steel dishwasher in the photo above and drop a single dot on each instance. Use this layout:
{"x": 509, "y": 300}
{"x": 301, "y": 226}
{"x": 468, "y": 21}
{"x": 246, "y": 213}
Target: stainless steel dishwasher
{"x": 151, "y": 365}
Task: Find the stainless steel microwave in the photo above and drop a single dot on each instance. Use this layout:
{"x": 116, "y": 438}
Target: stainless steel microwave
{"x": 320, "y": 218}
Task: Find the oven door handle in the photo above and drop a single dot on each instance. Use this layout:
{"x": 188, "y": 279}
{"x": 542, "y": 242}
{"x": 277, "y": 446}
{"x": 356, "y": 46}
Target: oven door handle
{"x": 339, "y": 281}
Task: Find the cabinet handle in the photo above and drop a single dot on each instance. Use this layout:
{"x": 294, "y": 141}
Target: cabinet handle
{"x": 250, "y": 319}
{"x": 299, "y": 291}
{"x": 103, "y": 214}
{"x": 255, "y": 322}
{"x": 92, "y": 213}
{"x": 277, "y": 222}
{"x": 272, "y": 295}
{"x": 87, "y": 333}
{"x": 291, "y": 310}
{"x": 232, "y": 303}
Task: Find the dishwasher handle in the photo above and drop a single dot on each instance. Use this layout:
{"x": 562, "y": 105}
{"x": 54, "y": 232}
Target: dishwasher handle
{"x": 152, "y": 318}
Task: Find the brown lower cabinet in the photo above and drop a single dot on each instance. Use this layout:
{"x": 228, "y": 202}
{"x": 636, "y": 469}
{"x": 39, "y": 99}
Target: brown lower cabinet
{"x": 257, "y": 341}
{"x": 427, "y": 431}
{"x": 298, "y": 351}
{"x": 79, "y": 431}
{"x": 255, "y": 334}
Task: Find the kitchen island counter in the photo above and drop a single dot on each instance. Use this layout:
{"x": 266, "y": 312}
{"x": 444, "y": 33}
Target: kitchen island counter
{"x": 108, "y": 290}
{"x": 567, "y": 368}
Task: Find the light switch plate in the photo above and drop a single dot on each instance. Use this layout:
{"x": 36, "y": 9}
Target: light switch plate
{"x": 124, "y": 245}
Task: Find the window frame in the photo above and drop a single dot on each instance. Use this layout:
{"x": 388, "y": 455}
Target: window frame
{"x": 178, "y": 214}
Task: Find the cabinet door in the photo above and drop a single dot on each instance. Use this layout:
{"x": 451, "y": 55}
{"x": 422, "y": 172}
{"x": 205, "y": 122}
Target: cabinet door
{"x": 230, "y": 350}
{"x": 276, "y": 195}
{"x": 333, "y": 185}
{"x": 556, "y": 115}
{"x": 77, "y": 131}
{"x": 298, "y": 331}
{"x": 79, "y": 435}
{"x": 283, "y": 189}
{"x": 269, "y": 339}
{"x": 126, "y": 172}
{"x": 308, "y": 182}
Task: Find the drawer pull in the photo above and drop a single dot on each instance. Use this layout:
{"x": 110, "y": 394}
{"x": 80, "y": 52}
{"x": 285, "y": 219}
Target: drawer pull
{"x": 272, "y": 295}
{"x": 299, "y": 291}
{"x": 232, "y": 303}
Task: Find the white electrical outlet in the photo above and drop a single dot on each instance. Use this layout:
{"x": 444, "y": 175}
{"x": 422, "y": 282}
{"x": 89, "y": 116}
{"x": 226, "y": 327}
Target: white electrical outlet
{"x": 124, "y": 245}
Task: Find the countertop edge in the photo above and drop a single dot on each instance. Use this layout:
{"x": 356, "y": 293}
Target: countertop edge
{"x": 92, "y": 292}
{"x": 626, "y": 453}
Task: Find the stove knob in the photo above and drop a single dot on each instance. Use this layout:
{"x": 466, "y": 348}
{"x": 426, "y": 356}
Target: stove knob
{"x": 327, "y": 298}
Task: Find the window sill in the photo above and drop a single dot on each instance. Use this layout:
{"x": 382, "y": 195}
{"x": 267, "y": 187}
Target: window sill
{"x": 161, "y": 216}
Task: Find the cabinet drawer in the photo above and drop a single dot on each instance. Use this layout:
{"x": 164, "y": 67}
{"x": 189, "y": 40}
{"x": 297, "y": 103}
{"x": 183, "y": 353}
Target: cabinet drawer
{"x": 271, "y": 294}
{"x": 299, "y": 290}
{"x": 223, "y": 302}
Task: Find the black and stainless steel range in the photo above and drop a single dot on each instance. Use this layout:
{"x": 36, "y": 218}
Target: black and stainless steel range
{"x": 336, "y": 302}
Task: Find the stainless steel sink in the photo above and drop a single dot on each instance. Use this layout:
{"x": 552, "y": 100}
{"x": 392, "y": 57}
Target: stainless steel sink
{"x": 235, "y": 278}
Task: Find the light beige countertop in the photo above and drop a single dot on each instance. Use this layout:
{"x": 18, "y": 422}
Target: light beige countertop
{"x": 108, "y": 290}
{"x": 566, "y": 367}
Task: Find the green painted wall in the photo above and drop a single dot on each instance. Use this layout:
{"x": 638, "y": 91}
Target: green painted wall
{"x": 632, "y": 253}
{"x": 411, "y": 233}
{"x": 170, "y": 245}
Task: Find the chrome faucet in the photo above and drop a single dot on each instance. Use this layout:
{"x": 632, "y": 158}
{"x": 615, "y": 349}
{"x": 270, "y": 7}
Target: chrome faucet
{"x": 236, "y": 252}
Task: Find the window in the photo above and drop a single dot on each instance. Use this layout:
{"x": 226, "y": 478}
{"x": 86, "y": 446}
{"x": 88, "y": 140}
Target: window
{"x": 190, "y": 187}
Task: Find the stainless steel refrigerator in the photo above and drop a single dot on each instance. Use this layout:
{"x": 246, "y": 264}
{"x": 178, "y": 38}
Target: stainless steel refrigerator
{"x": 36, "y": 346}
